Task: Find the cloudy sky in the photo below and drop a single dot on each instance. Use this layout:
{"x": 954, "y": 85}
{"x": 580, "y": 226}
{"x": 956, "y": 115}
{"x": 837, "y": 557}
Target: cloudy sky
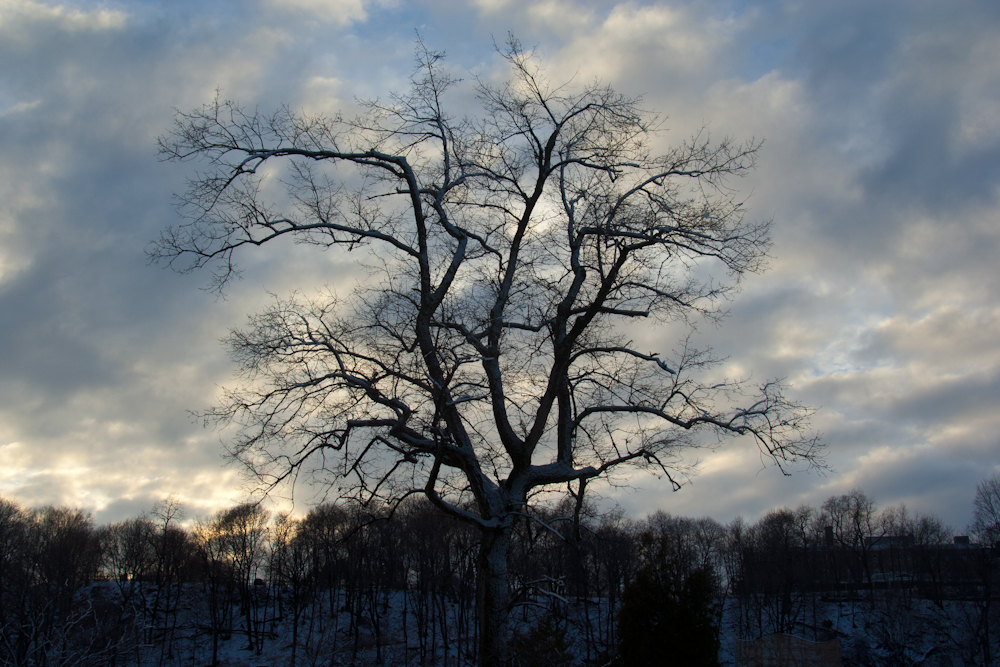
{"x": 881, "y": 169}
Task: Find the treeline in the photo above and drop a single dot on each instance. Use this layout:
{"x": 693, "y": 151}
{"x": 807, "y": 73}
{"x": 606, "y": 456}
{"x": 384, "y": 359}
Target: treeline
{"x": 899, "y": 586}
{"x": 350, "y": 584}
{"x": 343, "y": 580}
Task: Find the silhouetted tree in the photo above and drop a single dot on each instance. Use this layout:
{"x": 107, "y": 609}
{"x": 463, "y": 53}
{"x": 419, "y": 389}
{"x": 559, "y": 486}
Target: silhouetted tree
{"x": 172, "y": 555}
{"x": 669, "y": 613}
{"x": 219, "y": 579}
{"x": 290, "y": 573}
{"x": 49, "y": 617}
{"x": 986, "y": 511}
{"x": 15, "y": 567}
{"x": 770, "y": 569}
{"x": 855, "y": 520}
{"x": 983, "y": 618}
{"x": 243, "y": 531}
{"x": 128, "y": 558}
{"x": 487, "y": 359}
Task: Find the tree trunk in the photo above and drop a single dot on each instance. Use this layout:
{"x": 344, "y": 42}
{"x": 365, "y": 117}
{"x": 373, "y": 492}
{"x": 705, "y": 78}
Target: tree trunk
{"x": 493, "y": 597}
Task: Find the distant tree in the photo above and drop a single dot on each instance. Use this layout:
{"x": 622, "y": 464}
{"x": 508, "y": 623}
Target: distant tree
{"x": 486, "y": 356}
{"x": 173, "y": 554}
{"x": 985, "y": 524}
{"x": 127, "y": 560}
{"x": 982, "y": 615}
{"x": 243, "y": 530}
{"x": 128, "y": 556}
{"x": 855, "y": 520}
{"x": 219, "y": 580}
{"x": 432, "y": 552}
{"x": 614, "y": 560}
{"x": 929, "y": 535}
{"x": 770, "y": 570}
{"x": 669, "y": 613}
{"x": 323, "y": 529}
{"x": 65, "y": 553}
{"x": 48, "y": 616}
{"x": 14, "y": 582}
{"x": 693, "y": 543}
{"x": 373, "y": 571}
{"x": 290, "y": 572}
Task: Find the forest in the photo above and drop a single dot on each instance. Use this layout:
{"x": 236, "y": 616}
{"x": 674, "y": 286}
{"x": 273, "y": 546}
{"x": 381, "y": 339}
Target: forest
{"x": 350, "y": 585}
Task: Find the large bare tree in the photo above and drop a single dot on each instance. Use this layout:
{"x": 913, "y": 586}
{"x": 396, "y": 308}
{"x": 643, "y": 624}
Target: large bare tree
{"x": 487, "y": 356}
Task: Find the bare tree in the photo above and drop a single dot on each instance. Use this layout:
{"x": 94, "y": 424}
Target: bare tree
{"x": 219, "y": 578}
{"x": 50, "y": 555}
{"x": 486, "y": 357}
{"x": 128, "y": 557}
{"x": 981, "y": 614}
{"x": 985, "y": 524}
{"x": 171, "y": 549}
{"x": 16, "y": 582}
{"x": 243, "y": 530}
{"x": 290, "y": 574}
{"x": 856, "y": 525}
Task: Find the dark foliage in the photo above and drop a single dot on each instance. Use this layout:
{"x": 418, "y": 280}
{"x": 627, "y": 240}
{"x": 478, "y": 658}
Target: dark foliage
{"x": 668, "y": 616}
{"x": 544, "y": 645}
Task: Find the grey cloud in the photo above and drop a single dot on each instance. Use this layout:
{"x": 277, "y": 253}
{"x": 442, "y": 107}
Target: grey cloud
{"x": 880, "y": 307}
{"x": 885, "y": 83}
{"x": 103, "y": 353}
{"x": 927, "y": 481}
{"x": 948, "y": 400}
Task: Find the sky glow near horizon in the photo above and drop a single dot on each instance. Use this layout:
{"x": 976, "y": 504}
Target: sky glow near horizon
{"x": 880, "y": 168}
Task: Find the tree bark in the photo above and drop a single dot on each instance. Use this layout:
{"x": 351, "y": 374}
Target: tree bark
{"x": 493, "y": 597}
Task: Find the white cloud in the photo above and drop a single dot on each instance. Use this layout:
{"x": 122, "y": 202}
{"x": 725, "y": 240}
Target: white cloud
{"x": 636, "y": 48}
{"x": 341, "y": 12}
{"x": 16, "y": 14}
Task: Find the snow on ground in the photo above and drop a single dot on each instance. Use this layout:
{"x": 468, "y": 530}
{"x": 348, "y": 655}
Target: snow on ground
{"x": 895, "y": 629}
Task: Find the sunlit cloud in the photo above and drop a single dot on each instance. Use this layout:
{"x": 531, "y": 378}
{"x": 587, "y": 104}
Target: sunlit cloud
{"x": 880, "y": 170}
{"x": 15, "y": 14}
{"x": 331, "y": 11}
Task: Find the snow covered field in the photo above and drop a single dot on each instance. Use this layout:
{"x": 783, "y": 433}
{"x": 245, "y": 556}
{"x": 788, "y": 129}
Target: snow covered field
{"x": 337, "y": 628}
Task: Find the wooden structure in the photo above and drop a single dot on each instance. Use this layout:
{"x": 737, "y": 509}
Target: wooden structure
{"x": 781, "y": 650}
